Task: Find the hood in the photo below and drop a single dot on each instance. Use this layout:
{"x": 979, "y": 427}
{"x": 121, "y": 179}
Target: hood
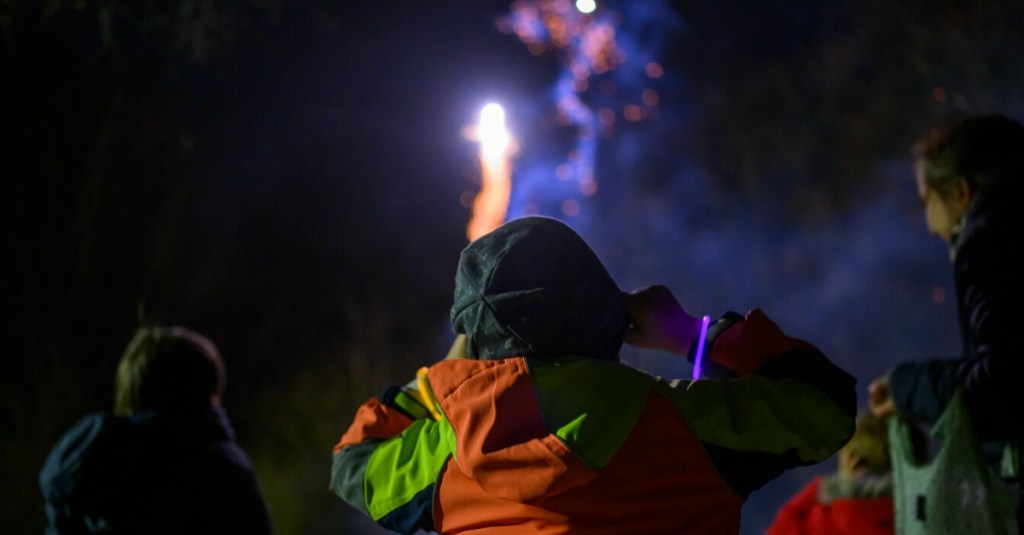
{"x": 534, "y": 288}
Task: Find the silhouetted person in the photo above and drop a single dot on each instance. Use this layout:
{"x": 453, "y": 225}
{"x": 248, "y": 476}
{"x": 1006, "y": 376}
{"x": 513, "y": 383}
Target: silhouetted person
{"x": 970, "y": 178}
{"x": 541, "y": 429}
{"x": 165, "y": 461}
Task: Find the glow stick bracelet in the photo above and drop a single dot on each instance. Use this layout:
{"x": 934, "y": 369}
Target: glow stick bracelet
{"x": 698, "y": 359}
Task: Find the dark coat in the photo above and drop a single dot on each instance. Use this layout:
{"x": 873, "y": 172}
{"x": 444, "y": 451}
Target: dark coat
{"x": 152, "y": 473}
{"x": 988, "y": 265}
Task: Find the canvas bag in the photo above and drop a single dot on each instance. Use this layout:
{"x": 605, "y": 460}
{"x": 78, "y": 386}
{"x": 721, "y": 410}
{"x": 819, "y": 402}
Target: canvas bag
{"x": 957, "y": 491}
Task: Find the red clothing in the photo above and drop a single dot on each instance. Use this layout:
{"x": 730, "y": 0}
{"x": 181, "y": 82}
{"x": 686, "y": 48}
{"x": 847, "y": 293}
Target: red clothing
{"x": 805, "y": 514}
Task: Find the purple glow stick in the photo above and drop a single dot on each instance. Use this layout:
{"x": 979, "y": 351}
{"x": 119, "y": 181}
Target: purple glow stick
{"x": 698, "y": 358}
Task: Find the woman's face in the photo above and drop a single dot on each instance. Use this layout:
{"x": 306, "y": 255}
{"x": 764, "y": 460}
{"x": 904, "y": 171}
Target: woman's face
{"x": 941, "y": 214}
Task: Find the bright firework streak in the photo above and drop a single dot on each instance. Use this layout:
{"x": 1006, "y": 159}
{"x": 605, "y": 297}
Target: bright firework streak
{"x": 496, "y": 148}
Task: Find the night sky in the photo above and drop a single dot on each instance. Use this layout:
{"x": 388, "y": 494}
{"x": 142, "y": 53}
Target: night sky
{"x": 293, "y": 180}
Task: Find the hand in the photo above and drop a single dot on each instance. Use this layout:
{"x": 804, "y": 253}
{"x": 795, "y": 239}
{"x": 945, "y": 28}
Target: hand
{"x": 658, "y": 321}
{"x": 880, "y": 402}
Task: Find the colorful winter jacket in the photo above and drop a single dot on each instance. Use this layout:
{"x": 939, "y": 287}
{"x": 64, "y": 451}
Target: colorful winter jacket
{"x": 588, "y": 446}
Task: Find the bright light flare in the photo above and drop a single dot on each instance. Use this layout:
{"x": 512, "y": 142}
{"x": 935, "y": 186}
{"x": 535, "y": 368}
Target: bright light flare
{"x": 496, "y": 148}
{"x": 492, "y": 134}
{"x": 586, "y": 6}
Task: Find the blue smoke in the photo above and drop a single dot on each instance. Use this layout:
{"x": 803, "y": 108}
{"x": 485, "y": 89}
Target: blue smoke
{"x": 867, "y": 286}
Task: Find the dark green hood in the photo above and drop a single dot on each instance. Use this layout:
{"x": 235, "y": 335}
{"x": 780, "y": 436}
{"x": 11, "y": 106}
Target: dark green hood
{"x": 534, "y": 288}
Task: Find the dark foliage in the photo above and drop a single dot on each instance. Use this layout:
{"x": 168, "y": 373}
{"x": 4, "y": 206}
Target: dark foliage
{"x": 285, "y": 178}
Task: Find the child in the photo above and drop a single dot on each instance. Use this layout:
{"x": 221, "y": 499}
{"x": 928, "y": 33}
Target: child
{"x": 855, "y": 499}
{"x": 542, "y": 430}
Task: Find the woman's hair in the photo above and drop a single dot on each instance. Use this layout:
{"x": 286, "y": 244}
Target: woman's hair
{"x": 168, "y": 368}
{"x": 976, "y": 149}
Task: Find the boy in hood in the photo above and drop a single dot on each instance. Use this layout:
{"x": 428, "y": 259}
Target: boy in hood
{"x": 539, "y": 428}
{"x": 165, "y": 461}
